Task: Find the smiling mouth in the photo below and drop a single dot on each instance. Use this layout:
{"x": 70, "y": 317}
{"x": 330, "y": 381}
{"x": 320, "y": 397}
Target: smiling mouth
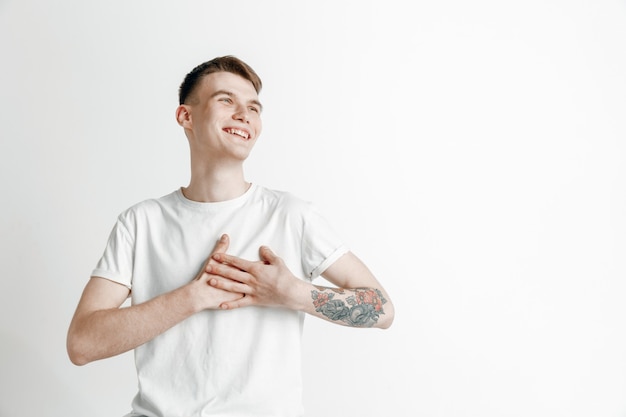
{"x": 241, "y": 133}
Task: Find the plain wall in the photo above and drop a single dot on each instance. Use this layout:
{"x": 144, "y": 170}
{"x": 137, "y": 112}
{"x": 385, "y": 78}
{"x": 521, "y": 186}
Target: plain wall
{"x": 471, "y": 153}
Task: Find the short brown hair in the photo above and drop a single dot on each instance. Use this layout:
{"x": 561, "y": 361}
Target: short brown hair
{"x": 226, "y": 63}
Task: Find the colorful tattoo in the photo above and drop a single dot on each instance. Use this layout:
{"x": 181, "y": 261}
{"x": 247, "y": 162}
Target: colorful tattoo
{"x": 363, "y": 309}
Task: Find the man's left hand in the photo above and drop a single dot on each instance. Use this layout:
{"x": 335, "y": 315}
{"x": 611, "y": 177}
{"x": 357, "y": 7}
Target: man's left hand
{"x": 267, "y": 282}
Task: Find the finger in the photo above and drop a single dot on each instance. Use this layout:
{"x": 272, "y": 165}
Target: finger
{"x": 267, "y": 255}
{"x": 238, "y": 263}
{"x": 242, "y": 302}
{"x": 226, "y": 284}
{"x": 219, "y": 283}
{"x": 229, "y": 272}
{"x": 222, "y": 245}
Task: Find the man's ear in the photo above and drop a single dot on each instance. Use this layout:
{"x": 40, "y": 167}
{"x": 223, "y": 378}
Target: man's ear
{"x": 183, "y": 116}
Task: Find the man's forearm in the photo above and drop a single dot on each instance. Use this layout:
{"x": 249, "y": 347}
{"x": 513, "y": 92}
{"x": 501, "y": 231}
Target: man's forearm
{"x": 103, "y": 333}
{"x": 357, "y": 300}
{"x": 359, "y": 307}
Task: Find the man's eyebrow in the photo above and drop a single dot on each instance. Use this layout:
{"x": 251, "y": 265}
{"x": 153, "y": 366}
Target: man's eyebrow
{"x": 258, "y": 103}
{"x": 220, "y": 92}
{"x": 231, "y": 94}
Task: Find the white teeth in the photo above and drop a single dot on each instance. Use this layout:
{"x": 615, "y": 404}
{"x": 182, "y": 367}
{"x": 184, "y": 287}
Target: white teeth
{"x": 238, "y": 132}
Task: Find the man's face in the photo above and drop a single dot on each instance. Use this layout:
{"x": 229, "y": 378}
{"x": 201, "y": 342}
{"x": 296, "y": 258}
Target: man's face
{"x": 225, "y": 117}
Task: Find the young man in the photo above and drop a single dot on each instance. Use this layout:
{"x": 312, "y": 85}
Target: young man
{"x": 224, "y": 341}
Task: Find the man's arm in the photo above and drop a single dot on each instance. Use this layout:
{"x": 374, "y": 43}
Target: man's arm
{"x": 358, "y": 300}
{"x": 101, "y": 329}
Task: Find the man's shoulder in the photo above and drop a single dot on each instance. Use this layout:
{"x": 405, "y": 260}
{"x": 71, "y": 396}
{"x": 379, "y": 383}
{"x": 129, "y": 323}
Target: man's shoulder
{"x": 147, "y": 206}
{"x": 282, "y": 199}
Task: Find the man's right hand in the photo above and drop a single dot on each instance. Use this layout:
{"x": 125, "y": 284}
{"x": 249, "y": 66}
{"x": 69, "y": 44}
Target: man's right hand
{"x": 100, "y": 328}
{"x": 211, "y": 297}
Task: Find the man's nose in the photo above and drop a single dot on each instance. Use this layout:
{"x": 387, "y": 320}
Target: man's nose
{"x": 242, "y": 113}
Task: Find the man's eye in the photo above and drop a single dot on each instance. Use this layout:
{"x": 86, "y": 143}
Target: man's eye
{"x": 226, "y": 100}
{"x": 254, "y": 109}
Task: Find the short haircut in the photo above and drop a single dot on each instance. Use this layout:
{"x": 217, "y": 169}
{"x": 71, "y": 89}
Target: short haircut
{"x": 226, "y": 63}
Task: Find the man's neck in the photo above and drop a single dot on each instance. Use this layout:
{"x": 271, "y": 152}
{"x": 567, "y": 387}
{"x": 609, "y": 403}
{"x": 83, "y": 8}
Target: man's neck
{"x": 213, "y": 185}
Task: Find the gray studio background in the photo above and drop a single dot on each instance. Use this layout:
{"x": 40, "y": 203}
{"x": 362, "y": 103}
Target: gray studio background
{"x": 472, "y": 153}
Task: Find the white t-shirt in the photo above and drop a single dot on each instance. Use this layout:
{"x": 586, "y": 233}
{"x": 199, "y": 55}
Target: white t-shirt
{"x": 243, "y": 362}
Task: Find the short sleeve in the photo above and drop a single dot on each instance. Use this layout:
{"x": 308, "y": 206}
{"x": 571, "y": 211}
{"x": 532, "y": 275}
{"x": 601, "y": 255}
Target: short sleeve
{"x": 321, "y": 245}
{"x": 116, "y": 263}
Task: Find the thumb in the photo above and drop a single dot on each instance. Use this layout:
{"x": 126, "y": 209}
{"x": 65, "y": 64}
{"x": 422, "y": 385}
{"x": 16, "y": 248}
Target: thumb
{"x": 267, "y": 255}
{"x": 222, "y": 245}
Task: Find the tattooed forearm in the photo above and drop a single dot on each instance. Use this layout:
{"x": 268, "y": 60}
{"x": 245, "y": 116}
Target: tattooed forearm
{"x": 361, "y": 309}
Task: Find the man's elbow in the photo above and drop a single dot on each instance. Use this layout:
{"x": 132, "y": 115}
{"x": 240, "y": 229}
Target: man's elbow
{"x": 385, "y": 324}
{"x": 77, "y": 351}
{"x": 386, "y": 319}
{"x": 78, "y": 360}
